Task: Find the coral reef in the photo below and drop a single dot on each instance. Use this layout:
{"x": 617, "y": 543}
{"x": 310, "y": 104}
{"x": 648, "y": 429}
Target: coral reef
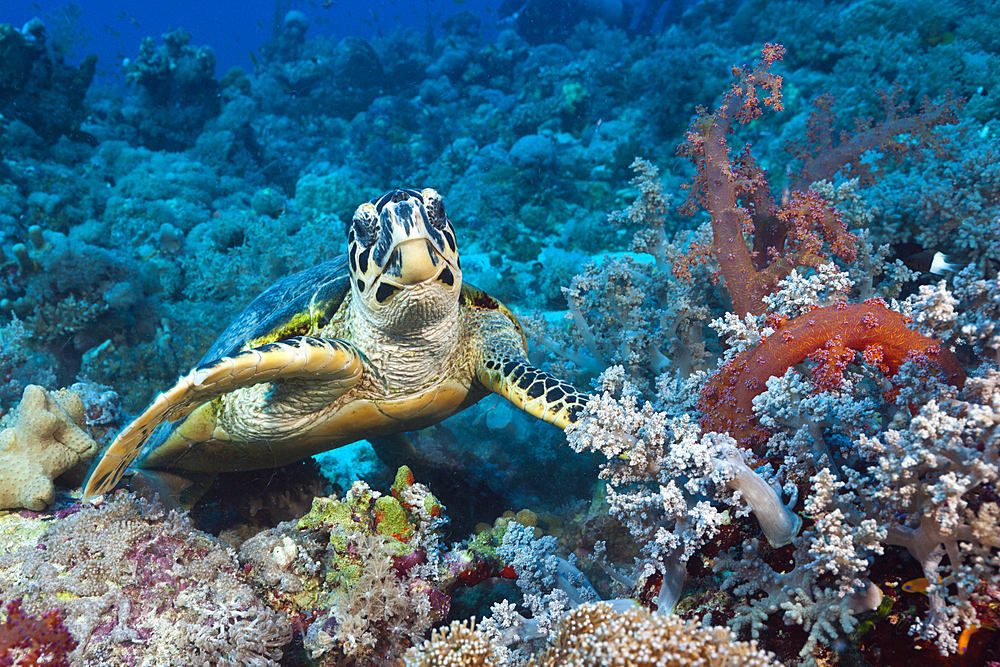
{"x": 847, "y": 512}
{"x": 178, "y": 91}
{"x": 137, "y": 586}
{"x": 829, "y": 337}
{"x": 361, "y": 574}
{"x": 37, "y": 86}
{"x": 29, "y": 641}
{"x": 597, "y": 634}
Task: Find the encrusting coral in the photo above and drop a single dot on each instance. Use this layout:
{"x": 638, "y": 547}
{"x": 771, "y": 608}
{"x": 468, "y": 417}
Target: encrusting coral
{"x": 47, "y": 439}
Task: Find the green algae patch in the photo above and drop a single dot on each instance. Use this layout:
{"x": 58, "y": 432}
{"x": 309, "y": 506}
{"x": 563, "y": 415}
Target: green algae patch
{"x": 391, "y": 519}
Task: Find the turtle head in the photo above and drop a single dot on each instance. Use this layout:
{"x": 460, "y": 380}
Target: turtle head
{"x": 403, "y": 257}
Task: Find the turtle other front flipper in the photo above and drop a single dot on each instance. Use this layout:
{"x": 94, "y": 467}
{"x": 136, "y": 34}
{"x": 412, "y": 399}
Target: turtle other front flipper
{"x": 334, "y": 364}
{"x": 538, "y": 393}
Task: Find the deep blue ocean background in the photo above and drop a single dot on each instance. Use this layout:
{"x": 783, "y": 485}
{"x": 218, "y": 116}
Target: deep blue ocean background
{"x": 113, "y": 30}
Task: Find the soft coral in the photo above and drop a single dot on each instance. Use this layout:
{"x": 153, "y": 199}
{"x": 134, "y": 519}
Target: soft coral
{"x": 26, "y": 641}
{"x": 736, "y": 193}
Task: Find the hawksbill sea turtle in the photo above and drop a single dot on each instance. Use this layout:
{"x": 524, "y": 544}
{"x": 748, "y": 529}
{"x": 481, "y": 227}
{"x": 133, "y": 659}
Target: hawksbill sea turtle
{"x": 383, "y": 340}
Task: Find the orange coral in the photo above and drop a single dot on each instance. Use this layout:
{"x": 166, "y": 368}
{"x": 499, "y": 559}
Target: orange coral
{"x": 830, "y": 337}
{"x": 27, "y": 641}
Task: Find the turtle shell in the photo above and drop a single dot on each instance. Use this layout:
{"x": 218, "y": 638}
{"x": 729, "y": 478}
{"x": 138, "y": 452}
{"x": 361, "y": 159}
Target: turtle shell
{"x": 298, "y": 305}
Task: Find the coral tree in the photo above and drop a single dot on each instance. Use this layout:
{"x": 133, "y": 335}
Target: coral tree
{"x": 736, "y": 194}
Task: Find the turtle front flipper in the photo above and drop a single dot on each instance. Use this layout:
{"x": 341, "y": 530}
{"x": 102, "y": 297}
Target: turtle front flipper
{"x": 334, "y": 364}
{"x": 538, "y": 393}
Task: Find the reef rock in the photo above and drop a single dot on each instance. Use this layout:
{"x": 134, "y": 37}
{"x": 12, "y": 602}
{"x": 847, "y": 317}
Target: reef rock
{"x": 47, "y": 439}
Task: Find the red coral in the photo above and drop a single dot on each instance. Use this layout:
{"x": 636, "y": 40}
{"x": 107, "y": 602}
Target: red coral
{"x": 26, "y": 641}
{"x": 736, "y": 194}
{"x": 830, "y": 337}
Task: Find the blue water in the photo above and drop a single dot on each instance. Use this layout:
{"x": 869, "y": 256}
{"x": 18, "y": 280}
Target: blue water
{"x": 113, "y": 30}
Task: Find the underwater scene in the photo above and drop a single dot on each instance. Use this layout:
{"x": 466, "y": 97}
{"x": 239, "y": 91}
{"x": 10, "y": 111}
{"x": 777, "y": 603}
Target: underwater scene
{"x": 500, "y": 333}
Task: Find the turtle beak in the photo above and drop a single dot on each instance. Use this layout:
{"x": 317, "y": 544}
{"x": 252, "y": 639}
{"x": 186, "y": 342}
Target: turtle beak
{"x": 413, "y": 261}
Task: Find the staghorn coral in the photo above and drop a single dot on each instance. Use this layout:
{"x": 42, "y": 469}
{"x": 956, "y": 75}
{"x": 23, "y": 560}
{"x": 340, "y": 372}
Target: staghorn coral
{"x": 46, "y": 440}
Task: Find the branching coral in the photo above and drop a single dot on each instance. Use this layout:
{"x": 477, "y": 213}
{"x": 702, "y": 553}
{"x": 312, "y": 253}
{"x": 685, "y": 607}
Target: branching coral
{"x": 736, "y": 193}
{"x": 661, "y": 471}
{"x": 47, "y": 439}
{"x": 803, "y": 388}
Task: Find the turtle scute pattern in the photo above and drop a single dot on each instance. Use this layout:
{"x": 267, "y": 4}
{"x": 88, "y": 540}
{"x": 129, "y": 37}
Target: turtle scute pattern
{"x": 506, "y": 371}
{"x": 295, "y": 379}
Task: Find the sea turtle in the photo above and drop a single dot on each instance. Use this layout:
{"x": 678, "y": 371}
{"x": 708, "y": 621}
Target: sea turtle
{"x": 383, "y": 340}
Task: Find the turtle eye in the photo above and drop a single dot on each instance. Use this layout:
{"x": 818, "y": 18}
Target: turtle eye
{"x": 434, "y": 205}
{"x": 365, "y": 223}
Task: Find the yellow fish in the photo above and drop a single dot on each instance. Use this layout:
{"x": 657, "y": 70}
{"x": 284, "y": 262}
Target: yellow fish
{"x": 917, "y": 585}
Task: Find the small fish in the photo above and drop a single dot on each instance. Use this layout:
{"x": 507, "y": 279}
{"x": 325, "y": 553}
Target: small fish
{"x": 929, "y": 261}
{"x": 111, "y": 32}
{"x": 253, "y": 58}
{"x": 125, "y": 16}
{"x": 963, "y": 639}
{"x": 917, "y": 585}
{"x": 940, "y": 264}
